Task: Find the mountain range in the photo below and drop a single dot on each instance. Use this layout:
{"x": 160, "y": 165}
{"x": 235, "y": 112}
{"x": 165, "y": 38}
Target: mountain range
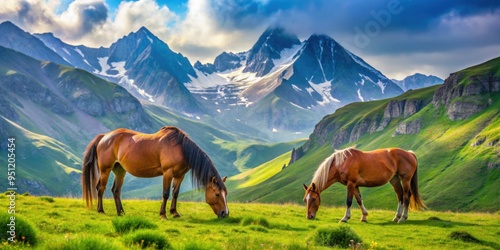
{"x": 417, "y": 81}
{"x": 284, "y": 83}
{"x": 281, "y": 86}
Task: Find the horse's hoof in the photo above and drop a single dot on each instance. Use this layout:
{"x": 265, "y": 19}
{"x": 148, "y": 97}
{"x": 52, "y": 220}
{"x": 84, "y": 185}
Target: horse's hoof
{"x": 364, "y": 220}
{"x": 401, "y": 220}
{"x": 176, "y": 215}
{"x": 396, "y": 219}
{"x": 344, "y": 221}
{"x": 163, "y": 217}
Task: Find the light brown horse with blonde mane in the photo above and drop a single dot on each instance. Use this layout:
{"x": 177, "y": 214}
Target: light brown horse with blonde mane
{"x": 169, "y": 153}
{"x": 355, "y": 168}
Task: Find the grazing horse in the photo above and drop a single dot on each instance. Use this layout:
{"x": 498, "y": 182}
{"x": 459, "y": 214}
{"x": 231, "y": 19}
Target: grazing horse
{"x": 355, "y": 168}
{"x": 169, "y": 153}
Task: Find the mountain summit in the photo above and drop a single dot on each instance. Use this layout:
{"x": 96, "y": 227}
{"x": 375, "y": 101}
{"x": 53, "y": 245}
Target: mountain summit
{"x": 281, "y": 77}
{"x": 15, "y": 38}
{"x": 268, "y": 48}
{"x": 140, "y": 62}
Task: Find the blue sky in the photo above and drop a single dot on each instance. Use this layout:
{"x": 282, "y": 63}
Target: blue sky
{"x": 398, "y": 37}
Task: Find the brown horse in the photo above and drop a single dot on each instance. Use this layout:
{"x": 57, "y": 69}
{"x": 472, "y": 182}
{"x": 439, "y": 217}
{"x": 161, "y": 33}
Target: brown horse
{"x": 355, "y": 168}
{"x": 169, "y": 153}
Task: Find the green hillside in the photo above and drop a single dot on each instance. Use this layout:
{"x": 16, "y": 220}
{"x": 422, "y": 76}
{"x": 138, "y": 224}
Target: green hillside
{"x": 459, "y": 160}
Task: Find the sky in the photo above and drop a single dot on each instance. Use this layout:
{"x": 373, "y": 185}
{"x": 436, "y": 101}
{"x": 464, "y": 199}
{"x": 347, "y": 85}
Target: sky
{"x": 397, "y": 37}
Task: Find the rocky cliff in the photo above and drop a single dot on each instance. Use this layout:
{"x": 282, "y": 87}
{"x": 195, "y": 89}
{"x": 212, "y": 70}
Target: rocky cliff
{"x": 465, "y": 93}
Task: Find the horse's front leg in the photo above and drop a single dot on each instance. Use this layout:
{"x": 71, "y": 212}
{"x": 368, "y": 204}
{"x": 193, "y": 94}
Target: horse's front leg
{"x": 167, "y": 180}
{"x": 175, "y": 193}
{"x": 351, "y": 189}
{"x": 361, "y": 205}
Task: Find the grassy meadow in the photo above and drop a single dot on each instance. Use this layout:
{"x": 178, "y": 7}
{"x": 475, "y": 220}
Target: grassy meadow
{"x": 64, "y": 223}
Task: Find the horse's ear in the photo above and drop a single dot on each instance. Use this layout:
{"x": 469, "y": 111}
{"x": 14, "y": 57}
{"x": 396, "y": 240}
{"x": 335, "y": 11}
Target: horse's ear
{"x": 305, "y": 187}
{"x": 313, "y": 186}
{"x": 214, "y": 180}
{"x": 224, "y": 179}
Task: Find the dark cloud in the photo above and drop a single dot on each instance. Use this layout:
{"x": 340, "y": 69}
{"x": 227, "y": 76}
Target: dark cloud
{"x": 89, "y": 15}
{"x": 440, "y": 31}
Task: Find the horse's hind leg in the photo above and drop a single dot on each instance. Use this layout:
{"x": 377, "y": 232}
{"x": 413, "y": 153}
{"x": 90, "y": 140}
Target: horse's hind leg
{"x": 175, "y": 193}
{"x": 396, "y": 184}
{"x": 167, "y": 181}
{"x": 406, "y": 199}
{"x": 117, "y": 187}
{"x": 101, "y": 187}
{"x": 359, "y": 199}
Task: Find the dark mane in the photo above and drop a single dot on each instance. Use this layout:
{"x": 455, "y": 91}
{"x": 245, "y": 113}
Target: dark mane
{"x": 202, "y": 167}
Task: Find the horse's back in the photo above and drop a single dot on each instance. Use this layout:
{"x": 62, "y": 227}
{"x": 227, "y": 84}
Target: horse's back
{"x": 405, "y": 161}
{"x": 377, "y": 167}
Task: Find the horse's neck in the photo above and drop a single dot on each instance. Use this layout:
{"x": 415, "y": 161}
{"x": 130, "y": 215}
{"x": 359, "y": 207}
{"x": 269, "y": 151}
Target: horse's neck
{"x": 332, "y": 177}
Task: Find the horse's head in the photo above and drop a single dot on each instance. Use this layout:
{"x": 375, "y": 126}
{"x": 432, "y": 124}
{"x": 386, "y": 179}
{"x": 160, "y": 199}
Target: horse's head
{"x": 216, "y": 197}
{"x": 312, "y": 200}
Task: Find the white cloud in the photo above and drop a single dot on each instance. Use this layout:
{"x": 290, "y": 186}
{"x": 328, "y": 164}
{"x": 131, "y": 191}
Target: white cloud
{"x": 202, "y": 34}
{"x": 88, "y": 22}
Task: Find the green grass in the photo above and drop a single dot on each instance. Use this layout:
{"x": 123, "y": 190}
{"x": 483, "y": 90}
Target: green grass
{"x": 250, "y": 226}
{"x": 492, "y": 66}
{"x": 259, "y": 174}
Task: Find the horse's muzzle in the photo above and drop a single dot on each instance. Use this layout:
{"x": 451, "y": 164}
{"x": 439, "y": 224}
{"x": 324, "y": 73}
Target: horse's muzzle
{"x": 223, "y": 214}
{"x": 310, "y": 217}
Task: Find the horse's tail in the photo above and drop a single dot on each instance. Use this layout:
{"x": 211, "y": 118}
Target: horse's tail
{"x": 415, "y": 202}
{"x": 90, "y": 171}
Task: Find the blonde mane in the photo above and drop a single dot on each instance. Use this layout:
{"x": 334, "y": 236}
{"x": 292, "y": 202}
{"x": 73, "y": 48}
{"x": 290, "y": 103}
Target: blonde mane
{"x": 320, "y": 177}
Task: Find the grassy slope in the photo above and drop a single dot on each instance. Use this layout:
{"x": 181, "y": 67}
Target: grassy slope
{"x": 44, "y": 160}
{"x": 446, "y": 159}
{"x": 198, "y": 228}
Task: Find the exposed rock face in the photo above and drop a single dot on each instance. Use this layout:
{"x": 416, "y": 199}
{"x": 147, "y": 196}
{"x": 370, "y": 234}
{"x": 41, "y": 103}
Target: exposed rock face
{"x": 35, "y": 187}
{"x": 408, "y": 127}
{"x": 340, "y": 138}
{"x": 205, "y": 68}
{"x": 3, "y": 134}
{"x": 395, "y": 109}
{"x": 24, "y": 86}
{"x": 226, "y": 61}
{"x": 463, "y": 95}
{"x": 7, "y": 110}
{"x": 296, "y": 154}
{"x": 268, "y": 47}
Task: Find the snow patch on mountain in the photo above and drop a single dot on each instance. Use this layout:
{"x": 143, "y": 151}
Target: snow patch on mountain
{"x": 381, "y": 85}
{"x": 79, "y": 52}
{"x": 124, "y": 80}
{"x": 324, "y": 89}
{"x": 103, "y": 62}
{"x": 287, "y": 58}
{"x": 360, "y": 96}
{"x": 204, "y": 81}
{"x": 296, "y": 88}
